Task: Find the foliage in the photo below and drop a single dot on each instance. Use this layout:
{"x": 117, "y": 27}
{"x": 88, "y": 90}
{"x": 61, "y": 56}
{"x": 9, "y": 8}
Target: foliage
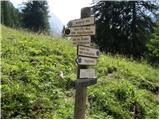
{"x": 10, "y": 16}
{"x": 121, "y": 93}
{"x": 32, "y": 88}
{"x": 35, "y": 16}
{"x": 153, "y": 46}
{"x": 124, "y": 27}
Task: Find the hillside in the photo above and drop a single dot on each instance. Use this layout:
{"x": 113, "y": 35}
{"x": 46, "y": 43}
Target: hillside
{"x": 32, "y": 88}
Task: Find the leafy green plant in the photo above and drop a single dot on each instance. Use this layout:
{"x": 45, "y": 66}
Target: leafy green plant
{"x": 32, "y": 87}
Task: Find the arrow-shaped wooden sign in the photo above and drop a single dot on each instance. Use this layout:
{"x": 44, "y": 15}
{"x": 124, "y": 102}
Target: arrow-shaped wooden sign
{"x": 80, "y": 31}
{"x": 86, "y": 61}
{"x": 81, "y": 40}
{"x": 81, "y": 22}
{"x": 88, "y": 51}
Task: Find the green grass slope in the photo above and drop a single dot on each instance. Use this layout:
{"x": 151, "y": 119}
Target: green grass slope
{"x": 32, "y": 88}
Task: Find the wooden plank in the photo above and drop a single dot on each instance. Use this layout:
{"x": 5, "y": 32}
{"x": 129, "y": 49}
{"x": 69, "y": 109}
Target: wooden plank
{"x": 80, "y": 31}
{"x": 87, "y": 51}
{"x": 81, "y": 40}
{"x": 86, "y": 61}
{"x": 80, "y": 83}
{"x": 81, "y": 93}
{"x": 82, "y": 22}
{"x": 87, "y": 73}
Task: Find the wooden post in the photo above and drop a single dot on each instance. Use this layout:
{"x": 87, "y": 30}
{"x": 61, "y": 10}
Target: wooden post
{"x": 81, "y": 93}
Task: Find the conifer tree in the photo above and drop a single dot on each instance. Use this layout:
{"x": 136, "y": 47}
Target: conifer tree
{"x": 124, "y": 26}
{"x": 10, "y": 16}
{"x": 35, "y": 16}
{"x": 153, "y": 46}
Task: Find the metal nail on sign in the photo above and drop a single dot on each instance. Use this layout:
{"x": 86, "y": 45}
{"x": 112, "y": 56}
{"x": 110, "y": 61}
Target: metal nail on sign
{"x": 81, "y": 40}
{"x": 78, "y": 31}
{"x": 86, "y": 61}
{"x": 87, "y": 51}
{"x": 82, "y": 22}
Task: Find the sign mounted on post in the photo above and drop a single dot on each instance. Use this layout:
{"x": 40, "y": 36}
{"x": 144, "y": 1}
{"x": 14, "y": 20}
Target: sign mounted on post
{"x": 78, "y": 31}
{"x": 82, "y": 22}
{"x": 82, "y": 40}
{"x": 86, "y": 61}
{"x": 87, "y": 73}
{"x": 87, "y": 51}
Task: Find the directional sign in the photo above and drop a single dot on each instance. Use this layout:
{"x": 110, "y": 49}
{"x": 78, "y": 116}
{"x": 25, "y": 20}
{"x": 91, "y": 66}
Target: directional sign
{"x": 87, "y": 73}
{"x": 82, "y": 40}
{"x": 86, "y": 61}
{"x": 78, "y": 31}
{"x": 87, "y": 51}
{"x": 82, "y": 22}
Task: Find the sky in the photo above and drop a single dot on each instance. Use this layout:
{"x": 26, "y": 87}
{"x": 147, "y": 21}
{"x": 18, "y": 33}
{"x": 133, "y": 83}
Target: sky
{"x": 65, "y": 10}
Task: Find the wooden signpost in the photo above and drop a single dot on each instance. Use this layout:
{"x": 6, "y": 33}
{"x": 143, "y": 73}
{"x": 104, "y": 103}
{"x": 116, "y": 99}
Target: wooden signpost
{"x": 86, "y": 61}
{"x": 80, "y": 31}
{"x": 81, "y": 40}
{"x": 87, "y": 73}
{"x": 82, "y": 22}
{"x": 87, "y": 51}
{"x": 83, "y": 83}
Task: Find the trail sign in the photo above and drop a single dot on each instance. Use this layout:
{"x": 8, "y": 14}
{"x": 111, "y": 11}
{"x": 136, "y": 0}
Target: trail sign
{"x": 87, "y": 73}
{"x": 86, "y": 61}
{"x": 81, "y": 22}
{"x": 82, "y": 40}
{"x": 86, "y": 28}
{"x": 78, "y": 31}
{"x": 87, "y": 51}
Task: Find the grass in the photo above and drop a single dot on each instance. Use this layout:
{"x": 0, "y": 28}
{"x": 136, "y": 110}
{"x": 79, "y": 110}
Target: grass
{"x": 32, "y": 88}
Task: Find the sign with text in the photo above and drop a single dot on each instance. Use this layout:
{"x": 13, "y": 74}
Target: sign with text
{"x": 86, "y": 61}
{"x": 82, "y": 40}
{"x": 78, "y": 31}
{"x": 87, "y": 73}
{"x": 82, "y": 22}
{"x": 88, "y": 52}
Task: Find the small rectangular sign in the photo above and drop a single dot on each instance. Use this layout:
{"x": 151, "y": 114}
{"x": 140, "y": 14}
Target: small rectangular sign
{"x": 82, "y": 22}
{"x": 86, "y": 61}
{"x": 80, "y": 83}
{"x": 81, "y": 40}
{"x": 80, "y": 31}
{"x": 87, "y": 51}
{"x": 87, "y": 73}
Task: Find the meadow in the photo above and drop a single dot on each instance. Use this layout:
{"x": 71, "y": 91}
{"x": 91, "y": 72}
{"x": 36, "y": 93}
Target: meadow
{"x": 32, "y": 88}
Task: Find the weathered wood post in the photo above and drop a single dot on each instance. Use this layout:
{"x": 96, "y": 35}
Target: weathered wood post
{"x": 81, "y": 93}
{"x": 80, "y": 31}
